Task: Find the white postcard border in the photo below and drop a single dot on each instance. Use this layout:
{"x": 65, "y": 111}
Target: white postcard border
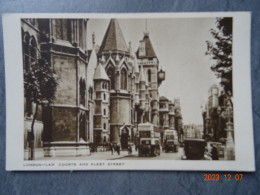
{"x": 244, "y": 142}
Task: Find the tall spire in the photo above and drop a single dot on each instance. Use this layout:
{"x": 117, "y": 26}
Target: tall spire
{"x": 92, "y": 63}
{"x": 113, "y": 39}
{"x": 146, "y": 25}
{"x": 146, "y": 33}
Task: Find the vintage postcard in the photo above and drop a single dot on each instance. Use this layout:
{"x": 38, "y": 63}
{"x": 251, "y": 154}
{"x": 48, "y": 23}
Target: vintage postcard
{"x": 128, "y": 91}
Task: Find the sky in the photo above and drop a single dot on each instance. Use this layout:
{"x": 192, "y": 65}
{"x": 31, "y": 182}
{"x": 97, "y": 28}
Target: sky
{"x": 180, "y": 45}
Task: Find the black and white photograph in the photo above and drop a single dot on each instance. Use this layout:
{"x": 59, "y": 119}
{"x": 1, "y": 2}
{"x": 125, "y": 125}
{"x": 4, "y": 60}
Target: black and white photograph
{"x": 113, "y": 90}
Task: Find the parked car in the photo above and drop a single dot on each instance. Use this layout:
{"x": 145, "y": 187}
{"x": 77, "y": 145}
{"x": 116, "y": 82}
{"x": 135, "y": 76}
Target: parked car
{"x": 194, "y": 149}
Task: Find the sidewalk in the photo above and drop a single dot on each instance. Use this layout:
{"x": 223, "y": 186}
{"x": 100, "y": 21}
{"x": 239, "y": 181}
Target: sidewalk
{"x": 123, "y": 154}
{"x": 93, "y": 156}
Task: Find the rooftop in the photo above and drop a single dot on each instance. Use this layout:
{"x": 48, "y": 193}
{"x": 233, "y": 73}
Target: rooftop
{"x": 100, "y": 73}
{"x": 148, "y": 48}
{"x": 113, "y": 39}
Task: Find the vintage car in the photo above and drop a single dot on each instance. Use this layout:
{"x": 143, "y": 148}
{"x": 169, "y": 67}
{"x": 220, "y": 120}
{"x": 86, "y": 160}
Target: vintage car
{"x": 149, "y": 147}
{"x": 194, "y": 149}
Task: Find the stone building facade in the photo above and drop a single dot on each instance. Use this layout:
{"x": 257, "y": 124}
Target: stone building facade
{"x": 62, "y": 42}
{"x": 170, "y": 116}
{"x": 193, "y": 131}
{"x": 102, "y": 93}
{"x": 218, "y": 121}
{"x": 30, "y": 48}
{"x": 134, "y": 83}
{"x": 215, "y": 114}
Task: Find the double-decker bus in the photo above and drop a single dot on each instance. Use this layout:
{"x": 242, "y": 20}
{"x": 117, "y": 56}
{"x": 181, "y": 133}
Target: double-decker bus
{"x": 170, "y": 140}
{"x": 149, "y": 140}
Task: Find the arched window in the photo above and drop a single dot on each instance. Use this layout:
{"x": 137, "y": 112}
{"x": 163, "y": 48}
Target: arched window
{"x": 111, "y": 75}
{"x": 104, "y": 96}
{"x": 104, "y": 126}
{"x": 123, "y": 79}
{"x": 30, "y": 56}
{"x": 82, "y": 126}
{"x": 81, "y": 33}
{"x": 149, "y": 75}
{"x": 90, "y": 91}
{"x": 82, "y": 89}
{"x": 33, "y": 50}
{"x": 63, "y": 29}
{"x": 26, "y": 52}
{"x": 162, "y": 120}
{"x": 104, "y": 112}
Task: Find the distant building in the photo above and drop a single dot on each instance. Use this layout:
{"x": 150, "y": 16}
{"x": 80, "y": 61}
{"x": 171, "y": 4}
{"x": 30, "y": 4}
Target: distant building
{"x": 170, "y": 116}
{"x": 215, "y": 115}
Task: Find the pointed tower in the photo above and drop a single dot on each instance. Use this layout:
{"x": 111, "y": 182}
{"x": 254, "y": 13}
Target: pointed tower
{"x": 136, "y": 80}
{"x": 142, "y": 89}
{"x": 148, "y": 59}
{"x": 114, "y": 39}
{"x": 101, "y": 113}
{"x": 171, "y": 115}
{"x": 92, "y": 63}
{"x": 115, "y": 55}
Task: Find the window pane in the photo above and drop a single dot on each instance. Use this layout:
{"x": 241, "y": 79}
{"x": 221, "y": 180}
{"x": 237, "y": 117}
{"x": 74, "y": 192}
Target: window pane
{"x": 58, "y": 27}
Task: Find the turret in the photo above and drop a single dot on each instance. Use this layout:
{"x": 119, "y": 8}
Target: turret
{"x": 102, "y": 96}
{"x": 119, "y": 69}
{"x": 171, "y": 115}
{"x": 214, "y": 91}
{"x": 142, "y": 89}
{"x": 148, "y": 60}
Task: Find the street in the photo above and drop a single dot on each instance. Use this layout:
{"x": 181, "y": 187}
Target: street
{"x": 163, "y": 156}
{"x": 123, "y": 156}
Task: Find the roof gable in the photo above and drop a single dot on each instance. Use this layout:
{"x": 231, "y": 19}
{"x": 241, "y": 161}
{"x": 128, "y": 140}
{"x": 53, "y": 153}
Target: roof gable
{"x": 113, "y": 39}
{"x": 148, "y": 48}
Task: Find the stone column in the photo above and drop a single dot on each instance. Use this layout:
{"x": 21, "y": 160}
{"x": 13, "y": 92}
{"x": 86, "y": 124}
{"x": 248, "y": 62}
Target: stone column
{"x": 230, "y": 150}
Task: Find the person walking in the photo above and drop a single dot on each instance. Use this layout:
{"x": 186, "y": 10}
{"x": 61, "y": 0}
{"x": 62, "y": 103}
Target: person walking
{"x": 112, "y": 148}
{"x": 214, "y": 153}
{"x": 118, "y": 149}
{"x": 129, "y": 149}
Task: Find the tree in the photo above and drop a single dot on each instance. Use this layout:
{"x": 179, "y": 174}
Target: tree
{"x": 221, "y": 52}
{"x": 40, "y": 86}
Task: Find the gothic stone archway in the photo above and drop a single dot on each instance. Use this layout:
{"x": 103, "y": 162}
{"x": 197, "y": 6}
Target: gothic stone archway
{"x": 124, "y": 135}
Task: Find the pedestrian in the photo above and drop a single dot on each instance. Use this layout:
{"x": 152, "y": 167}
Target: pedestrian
{"x": 128, "y": 149}
{"x": 118, "y": 149}
{"x": 112, "y": 148}
{"x": 214, "y": 152}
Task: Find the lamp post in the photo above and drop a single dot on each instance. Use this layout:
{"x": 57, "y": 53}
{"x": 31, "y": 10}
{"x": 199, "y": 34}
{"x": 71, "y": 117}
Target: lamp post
{"x": 229, "y": 128}
{"x": 229, "y": 150}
